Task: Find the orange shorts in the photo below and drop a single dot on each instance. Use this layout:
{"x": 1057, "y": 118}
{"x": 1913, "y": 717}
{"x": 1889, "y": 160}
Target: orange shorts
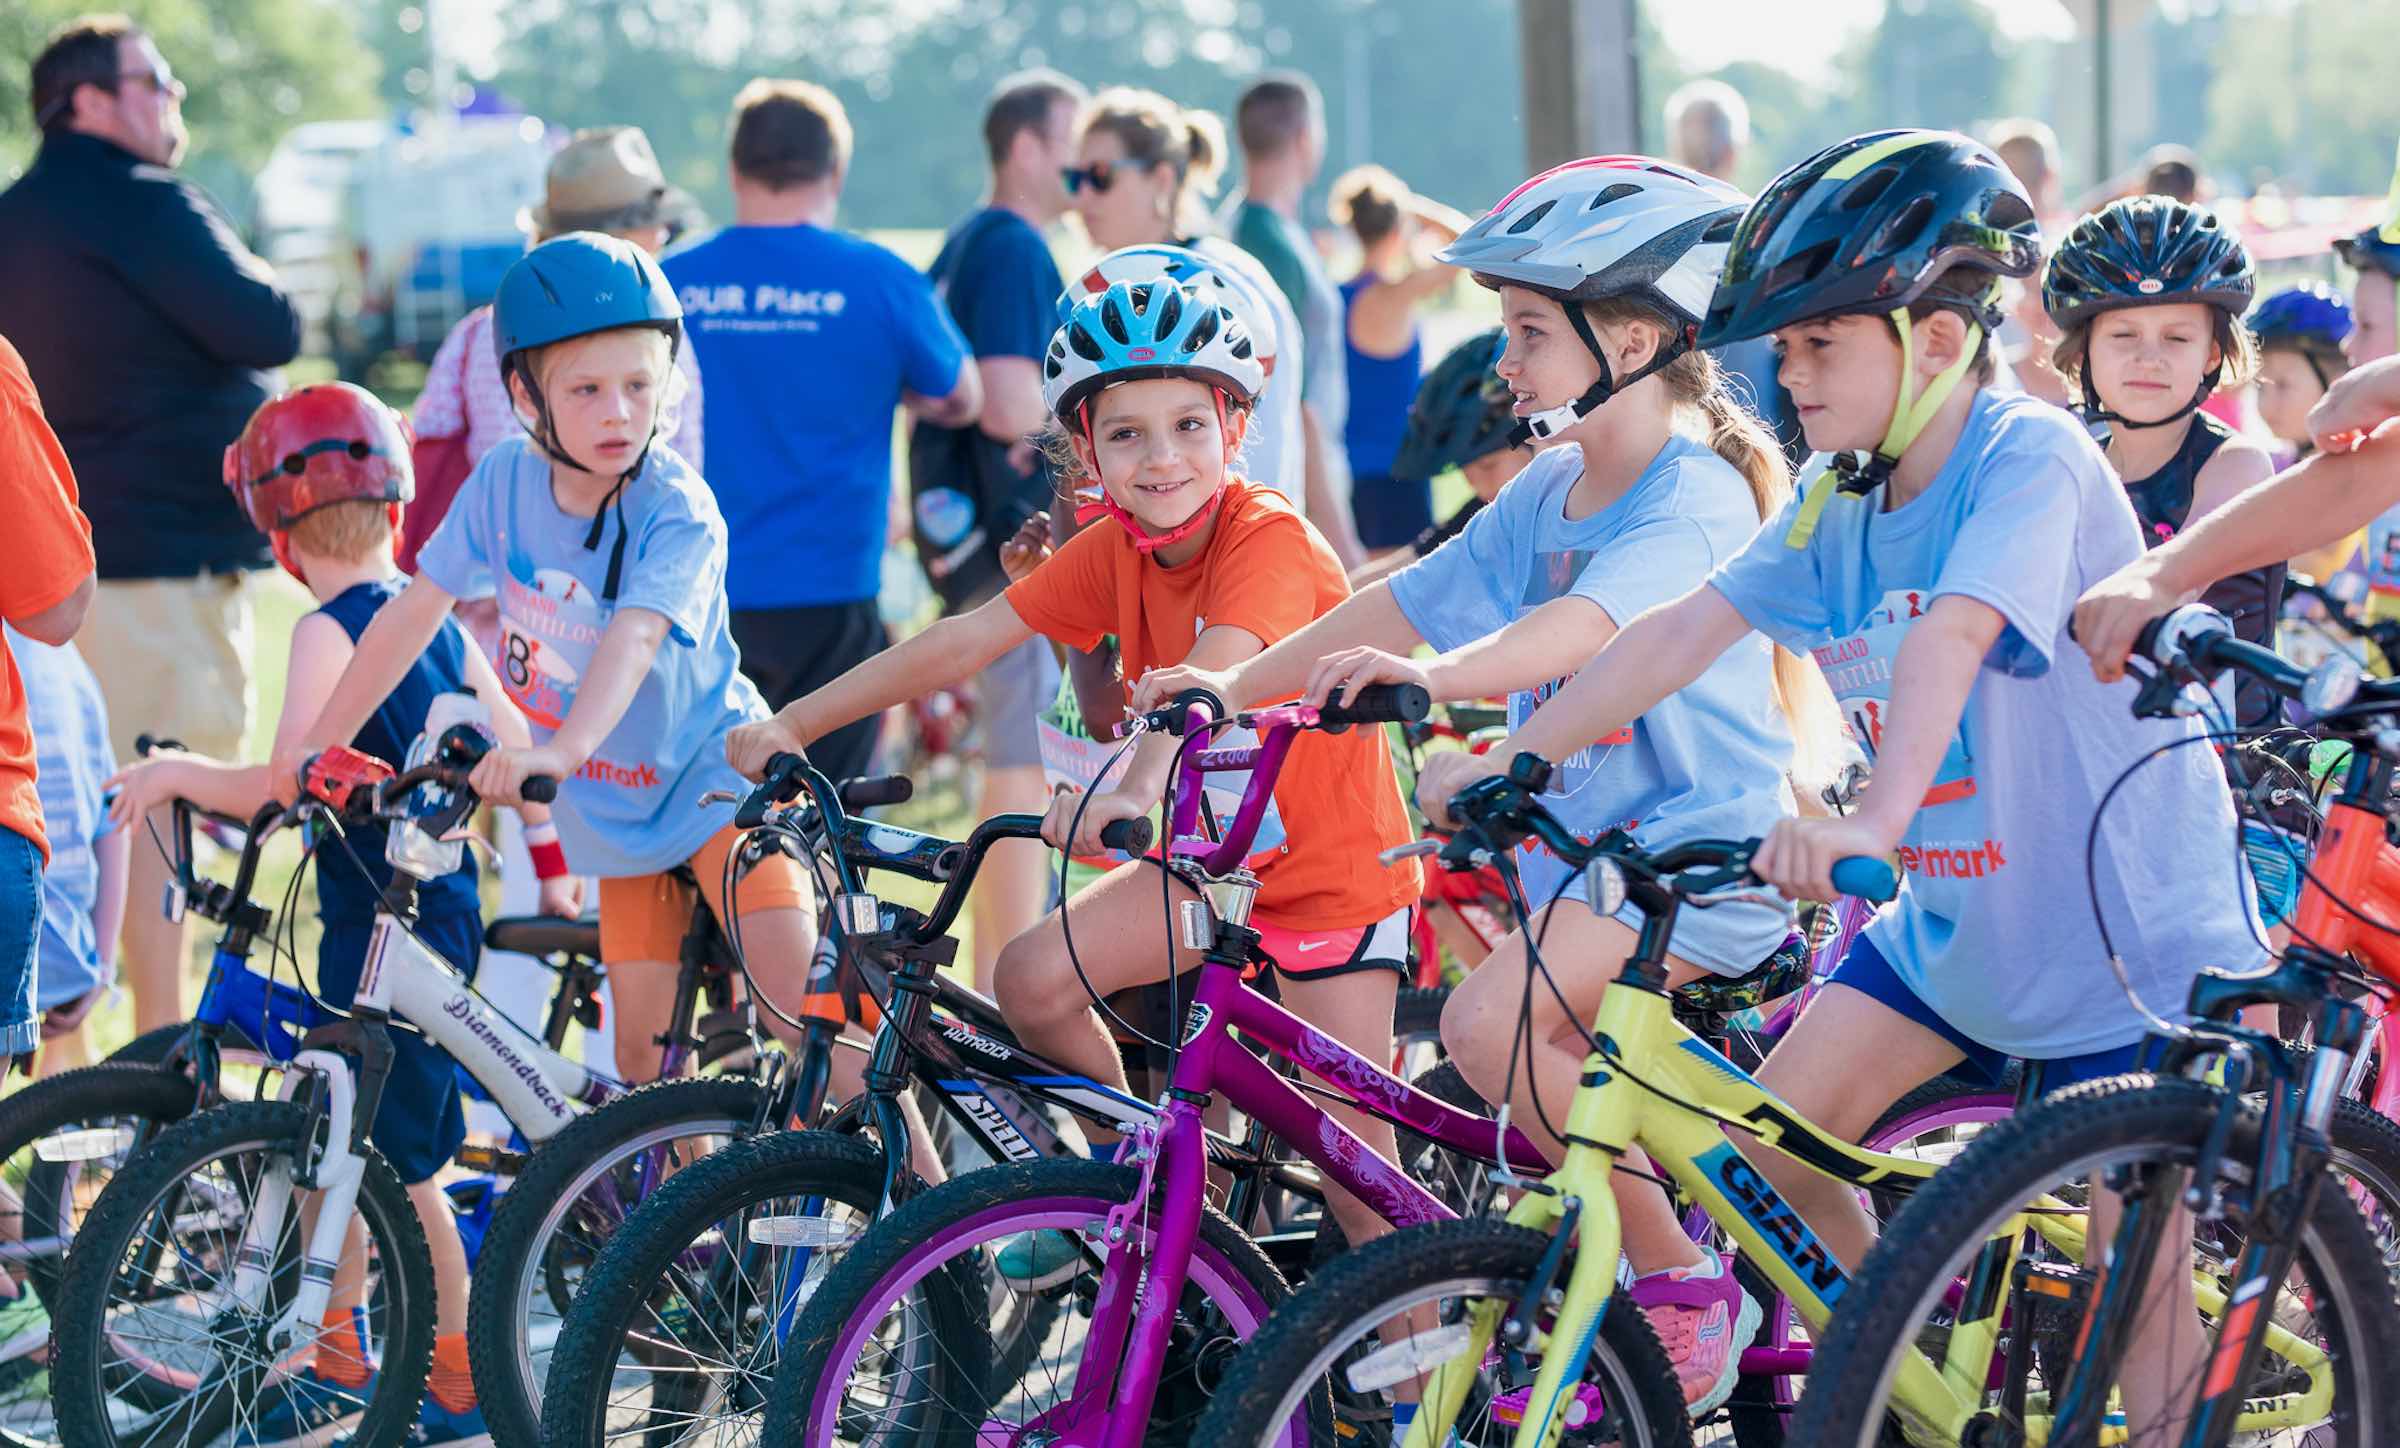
{"x": 645, "y": 917}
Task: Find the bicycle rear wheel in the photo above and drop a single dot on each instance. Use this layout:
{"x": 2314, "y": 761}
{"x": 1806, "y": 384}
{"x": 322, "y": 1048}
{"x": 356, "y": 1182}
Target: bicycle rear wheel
{"x": 1999, "y": 1240}
{"x": 897, "y": 1347}
{"x": 148, "y": 1294}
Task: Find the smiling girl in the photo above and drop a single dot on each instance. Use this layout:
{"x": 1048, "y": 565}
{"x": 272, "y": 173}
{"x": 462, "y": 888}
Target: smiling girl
{"x": 1152, "y": 385}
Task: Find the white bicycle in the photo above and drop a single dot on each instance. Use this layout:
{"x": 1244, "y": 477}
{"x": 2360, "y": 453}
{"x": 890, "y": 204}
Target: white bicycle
{"x": 211, "y": 1259}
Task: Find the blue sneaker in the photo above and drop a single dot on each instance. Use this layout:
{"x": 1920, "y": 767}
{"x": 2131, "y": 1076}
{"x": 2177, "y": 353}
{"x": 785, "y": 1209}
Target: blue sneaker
{"x": 1031, "y": 1261}
{"x": 309, "y": 1412}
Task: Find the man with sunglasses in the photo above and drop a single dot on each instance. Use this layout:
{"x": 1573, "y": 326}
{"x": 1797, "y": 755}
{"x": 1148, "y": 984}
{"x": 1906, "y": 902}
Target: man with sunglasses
{"x": 149, "y": 330}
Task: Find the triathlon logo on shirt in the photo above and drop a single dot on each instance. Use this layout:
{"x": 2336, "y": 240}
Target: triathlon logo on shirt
{"x": 1551, "y": 577}
{"x": 550, "y": 625}
{"x": 1858, "y": 667}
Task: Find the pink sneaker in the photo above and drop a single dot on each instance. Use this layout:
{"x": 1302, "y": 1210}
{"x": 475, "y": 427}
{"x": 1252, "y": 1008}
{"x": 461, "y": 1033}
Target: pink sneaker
{"x": 1705, "y": 1320}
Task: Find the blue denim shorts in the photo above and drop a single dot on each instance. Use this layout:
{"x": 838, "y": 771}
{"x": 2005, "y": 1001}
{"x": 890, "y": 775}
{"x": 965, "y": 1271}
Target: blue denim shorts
{"x": 20, "y": 942}
{"x": 1866, "y": 971}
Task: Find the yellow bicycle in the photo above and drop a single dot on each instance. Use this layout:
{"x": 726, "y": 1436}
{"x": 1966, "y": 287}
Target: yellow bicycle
{"x": 1512, "y": 1331}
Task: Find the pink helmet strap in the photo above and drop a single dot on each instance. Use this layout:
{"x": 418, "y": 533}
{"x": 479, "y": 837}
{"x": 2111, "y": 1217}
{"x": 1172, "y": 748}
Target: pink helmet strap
{"x": 1144, "y": 541}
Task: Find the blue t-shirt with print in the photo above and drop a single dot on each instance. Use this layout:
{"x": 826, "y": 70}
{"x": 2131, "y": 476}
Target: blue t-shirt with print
{"x": 808, "y": 337}
{"x": 634, "y": 807}
{"x": 1993, "y": 928}
{"x": 71, "y": 757}
{"x": 1708, "y": 761}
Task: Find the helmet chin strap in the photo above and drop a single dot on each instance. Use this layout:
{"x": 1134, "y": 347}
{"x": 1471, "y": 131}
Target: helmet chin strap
{"x": 545, "y": 436}
{"x": 1856, "y": 473}
{"x": 1550, "y": 422}
{"x": 1146, "y": 542}
{"x": 2099, "y": 419}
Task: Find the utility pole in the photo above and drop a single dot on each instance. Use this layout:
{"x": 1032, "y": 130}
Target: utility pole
{"x": 1583, "y": 85}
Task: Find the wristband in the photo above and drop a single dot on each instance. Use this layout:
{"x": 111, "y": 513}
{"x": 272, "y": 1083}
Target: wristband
{"x": 549, "y": 858}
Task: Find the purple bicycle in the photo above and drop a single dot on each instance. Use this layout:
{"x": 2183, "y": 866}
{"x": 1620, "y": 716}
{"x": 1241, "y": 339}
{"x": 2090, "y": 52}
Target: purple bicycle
{"x": 1160, "y": 1288}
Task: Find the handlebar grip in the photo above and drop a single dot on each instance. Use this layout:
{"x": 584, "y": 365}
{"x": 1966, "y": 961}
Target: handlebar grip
{"x": 146, "y": 744}
{"x": 1866, "y": 877}
{"x": 1131, "y": 836}
{"x": 1376, "y": 704}
{"x": 538, "y": 789}
{"x": 869, "y": 790}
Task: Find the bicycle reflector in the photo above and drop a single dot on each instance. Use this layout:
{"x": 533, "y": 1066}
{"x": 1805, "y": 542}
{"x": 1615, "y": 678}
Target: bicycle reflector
{"x": 337, "y": 775}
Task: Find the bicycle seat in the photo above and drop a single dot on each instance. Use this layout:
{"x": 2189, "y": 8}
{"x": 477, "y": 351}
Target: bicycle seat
{"x": 545, "y": 935}
{"x": 1778, "y": 975}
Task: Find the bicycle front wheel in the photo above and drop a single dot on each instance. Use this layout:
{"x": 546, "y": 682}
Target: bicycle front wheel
{"x": 897, "y": 1346}
{"x": 1986, "y": 1275}
{"x": 1372, "y": 1325}
{"x": 148, "y": 1295}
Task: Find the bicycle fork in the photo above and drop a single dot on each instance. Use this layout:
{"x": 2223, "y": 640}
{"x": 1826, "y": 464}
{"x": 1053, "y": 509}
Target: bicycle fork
{"x": 328, "y": 1161}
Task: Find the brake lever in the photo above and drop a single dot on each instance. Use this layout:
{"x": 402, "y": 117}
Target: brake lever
{"x": 1410, "y": 851}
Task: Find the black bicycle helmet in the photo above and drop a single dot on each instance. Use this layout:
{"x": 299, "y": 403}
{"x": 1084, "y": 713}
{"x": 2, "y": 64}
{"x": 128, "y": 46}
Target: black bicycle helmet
{"x": 1869, "y": 225}
{"x": 2147, "y": 251}
{"x": 2375, "y": 249}
{"x": 1461, "y": 413}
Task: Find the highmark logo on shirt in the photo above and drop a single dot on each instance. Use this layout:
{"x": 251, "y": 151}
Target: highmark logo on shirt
{"x": 767, "y": 307}
{"x": 550, "y": 625}
{"x": 1947, "y": 837}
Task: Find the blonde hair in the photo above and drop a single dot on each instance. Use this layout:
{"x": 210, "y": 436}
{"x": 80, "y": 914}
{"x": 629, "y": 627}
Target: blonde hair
{"x": 355, "y": 530}
{"x": 539, "y": 362}
{"x": 1695, "y": 383}
{"x": 1154, "y": 131}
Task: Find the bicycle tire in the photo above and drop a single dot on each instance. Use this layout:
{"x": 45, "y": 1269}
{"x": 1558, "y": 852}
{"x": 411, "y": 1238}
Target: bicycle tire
{"x": 623, "y": 1286}
{"x": 1292, "y": 1358}
{"x": 1916, "y": 1259}
{"x": 402, "y": 1310}
{"x": 1230, "y": 1275}
{"x": 528, "y": 1250}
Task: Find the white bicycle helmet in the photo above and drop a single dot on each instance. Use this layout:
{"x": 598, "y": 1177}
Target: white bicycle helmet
{"x": 1628, "y": 227}
{"x": 1204, "y": 274}
{"x": 1133, "y": 330}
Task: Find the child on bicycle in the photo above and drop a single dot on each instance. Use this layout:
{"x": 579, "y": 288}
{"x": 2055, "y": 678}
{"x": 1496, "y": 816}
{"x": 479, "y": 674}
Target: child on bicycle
{"x": 1651, "y": 476}
{"x": 1152, "y": 386}
{"x": 324, "y": 472}
{"x": 607, "y": 555}
{"x": 1931, "y": 569}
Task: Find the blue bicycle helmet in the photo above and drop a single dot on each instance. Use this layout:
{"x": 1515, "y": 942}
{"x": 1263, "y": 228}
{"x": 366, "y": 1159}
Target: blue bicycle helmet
{"x": 2309, "y": 315}
{"x": 1138, "y": 330}
{"x": 573, "y": 286}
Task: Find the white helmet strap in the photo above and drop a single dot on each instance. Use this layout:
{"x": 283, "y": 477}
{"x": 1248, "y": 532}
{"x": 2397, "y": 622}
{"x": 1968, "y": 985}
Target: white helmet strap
{"x": 1550, "y": 422}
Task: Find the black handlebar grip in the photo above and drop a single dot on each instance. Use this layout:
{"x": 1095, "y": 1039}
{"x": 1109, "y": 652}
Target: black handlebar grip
{"x": 1131, "y": 836}
{"x": 538, "y": 789}
{"x": 145, "y": 744}
{"x": 1376, "y": 704}
{"x": 869, "y": 790}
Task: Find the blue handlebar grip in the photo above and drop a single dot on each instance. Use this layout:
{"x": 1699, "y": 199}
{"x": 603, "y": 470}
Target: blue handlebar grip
{"x": 1866, "y": 877}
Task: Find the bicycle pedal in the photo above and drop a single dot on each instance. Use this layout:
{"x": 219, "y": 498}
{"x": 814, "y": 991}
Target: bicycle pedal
{"x": 1582, "y": 1407}
{"x": 498, "y": 1160}
{"x": 2050, "y": 1287}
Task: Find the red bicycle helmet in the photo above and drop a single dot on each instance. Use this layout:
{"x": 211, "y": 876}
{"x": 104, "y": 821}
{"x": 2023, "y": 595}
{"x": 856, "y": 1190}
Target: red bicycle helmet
{"x": 330, "y": 443}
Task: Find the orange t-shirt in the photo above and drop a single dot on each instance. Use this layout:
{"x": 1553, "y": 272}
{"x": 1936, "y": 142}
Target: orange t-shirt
{"x": 49, "y": 554}
{"x": 1265, "y": 570}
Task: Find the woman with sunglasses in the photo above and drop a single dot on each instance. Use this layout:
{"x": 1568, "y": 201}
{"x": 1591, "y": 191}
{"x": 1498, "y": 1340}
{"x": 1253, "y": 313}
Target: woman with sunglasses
{"x": 1144, "y": 167}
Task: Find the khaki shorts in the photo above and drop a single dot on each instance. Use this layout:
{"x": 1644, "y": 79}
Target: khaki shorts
{"x": 173, "y": 659}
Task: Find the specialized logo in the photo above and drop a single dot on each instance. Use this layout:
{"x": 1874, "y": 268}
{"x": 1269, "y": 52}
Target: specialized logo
{"x": 992, "y": 1121}
{"x": 1776, "y": 1221}
{"x": 1195, "y": 1021}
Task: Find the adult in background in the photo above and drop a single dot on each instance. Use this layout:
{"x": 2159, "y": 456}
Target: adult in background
{"x": 149, "y": 329}
{"x": 1280, "y": 123}
{"x": 1708, "y": 128}
{"x": 1384, "y": 355}
{"x": 810, "y": 337}
{"x": 974, "y": 487}
{"x": 2026, "y": 339}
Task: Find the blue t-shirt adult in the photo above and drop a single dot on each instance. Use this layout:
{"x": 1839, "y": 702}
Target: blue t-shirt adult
{"x": 351, "y": 872}
{"x": 1994, "y": 928}
{"x": 71, "y": 758}
{"x": 633, "y": 809}
{"x": 807, "y": 337}
{"x": 996, "y": 275}
{"x": 1708, "y": 761}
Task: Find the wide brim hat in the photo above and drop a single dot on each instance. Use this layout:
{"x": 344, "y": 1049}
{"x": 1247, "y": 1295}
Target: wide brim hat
{"x": 605, "y": 179}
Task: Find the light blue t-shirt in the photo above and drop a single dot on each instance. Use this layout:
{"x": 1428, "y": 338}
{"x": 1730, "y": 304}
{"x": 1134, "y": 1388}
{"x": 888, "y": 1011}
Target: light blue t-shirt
{"x": 71, "y": 758}
{"x": 1708, "y": 761}
{"x": 634, "y": 808}
{"x": 1993, "y": 928}
{"x": 808, "y": 337}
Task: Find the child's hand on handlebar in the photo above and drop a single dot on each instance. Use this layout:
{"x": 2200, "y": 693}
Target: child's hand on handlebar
{"x": 1446, "y": 772}
{"x": 1159, "y": 687}
{"x": 2111, "y": 613}
{"x": 562, "y": 896}
{"x": 1798, "y": 855}
{"x": 1060, "y": 824}
{"x": 1351, "y": 670}
{"x": 748, "y": 747}
{"x": 500, "y": 776}
{"x": 143, "y": 786}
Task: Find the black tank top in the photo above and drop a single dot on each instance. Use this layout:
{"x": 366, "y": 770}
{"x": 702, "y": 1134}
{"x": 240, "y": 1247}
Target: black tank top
{"x": 2253, "y": 600}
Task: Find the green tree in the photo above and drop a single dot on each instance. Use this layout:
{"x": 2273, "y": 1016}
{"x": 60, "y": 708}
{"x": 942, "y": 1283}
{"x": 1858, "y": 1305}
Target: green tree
{"x": 2303, "y": 93}
{"x": 255, "y": 69}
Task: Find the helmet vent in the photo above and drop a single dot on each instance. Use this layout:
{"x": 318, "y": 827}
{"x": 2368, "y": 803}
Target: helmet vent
{"x": 1204, "y": 329}
{"x": 1169, "y": 303}
{"x": 1112, "y": 320}
{"x": 1531, "y": 219}
{"x": 1617, "y": 192}
{"x": 1085, "y": 344}
{"x": 1905, "y": 225}
{"x": 1721, "y": 229}
{"x": 1797, "y": 268}
{"x": 1869, "y": 188}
